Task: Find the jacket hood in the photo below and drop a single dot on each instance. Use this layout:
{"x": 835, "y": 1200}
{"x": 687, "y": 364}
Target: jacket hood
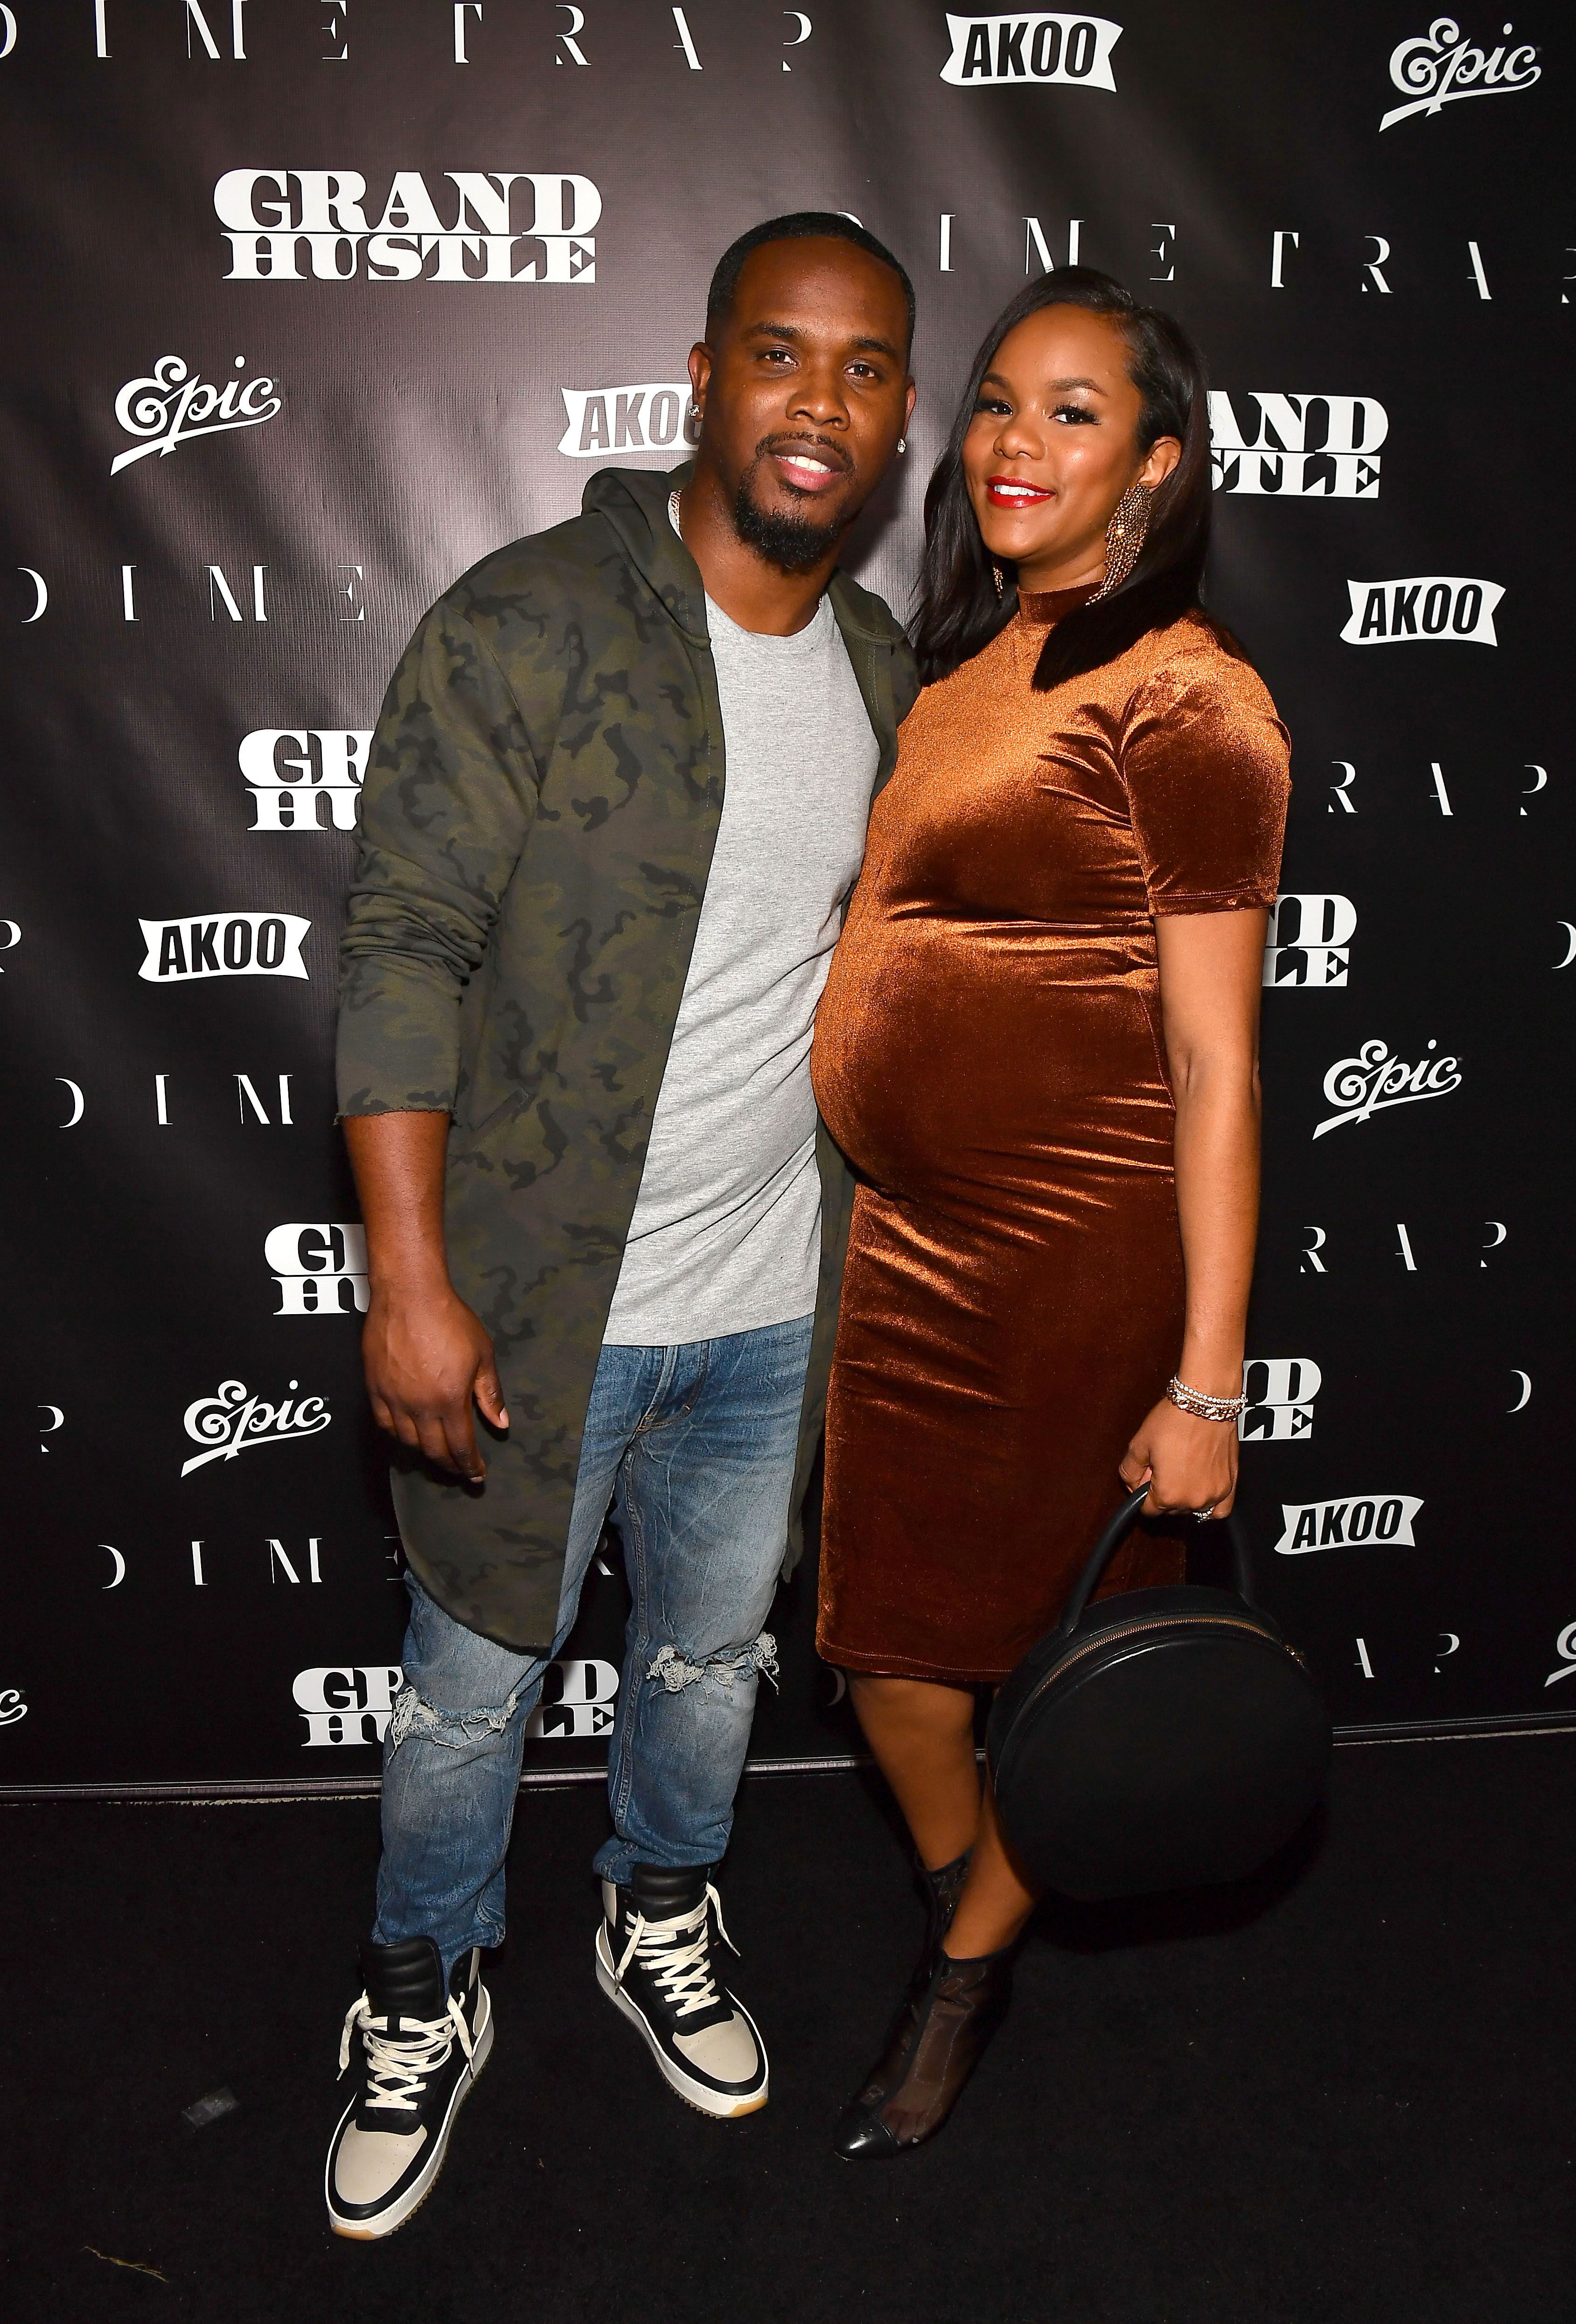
{"x": 634, "y": 502}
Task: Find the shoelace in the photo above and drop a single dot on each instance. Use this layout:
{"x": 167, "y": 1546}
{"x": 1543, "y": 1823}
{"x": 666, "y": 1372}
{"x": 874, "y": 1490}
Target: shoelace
{"x": 398, "y": 2068}
{"x": 683, "y": 1971}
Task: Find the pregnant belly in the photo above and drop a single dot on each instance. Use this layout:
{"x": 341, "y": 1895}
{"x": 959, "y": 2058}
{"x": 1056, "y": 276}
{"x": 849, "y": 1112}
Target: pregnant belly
{"x": 994, "y": 1061}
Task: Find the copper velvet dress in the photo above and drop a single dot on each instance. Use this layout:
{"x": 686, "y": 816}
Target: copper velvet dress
{"x": 988, "y": 1054}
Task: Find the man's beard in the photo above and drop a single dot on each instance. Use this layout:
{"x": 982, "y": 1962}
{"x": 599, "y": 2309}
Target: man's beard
{"x": 794, "y": 543}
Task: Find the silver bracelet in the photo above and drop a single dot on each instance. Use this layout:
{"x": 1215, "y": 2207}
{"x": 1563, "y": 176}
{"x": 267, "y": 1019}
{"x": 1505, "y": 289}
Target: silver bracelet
{"x": 1205, "y": 1407}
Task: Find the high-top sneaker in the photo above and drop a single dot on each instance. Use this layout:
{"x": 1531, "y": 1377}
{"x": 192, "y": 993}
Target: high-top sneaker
{"x": 654, "y": 1962}
{"x": 414, "y": 2050}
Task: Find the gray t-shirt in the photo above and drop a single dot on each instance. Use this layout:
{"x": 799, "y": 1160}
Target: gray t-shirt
{"x": 727, "y": 1235}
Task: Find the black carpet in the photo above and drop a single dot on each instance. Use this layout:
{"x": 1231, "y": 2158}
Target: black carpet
{"x": 1346, "y": 2094}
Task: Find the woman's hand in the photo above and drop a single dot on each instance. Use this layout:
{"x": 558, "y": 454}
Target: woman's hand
{"x": 1187, "y": 1463}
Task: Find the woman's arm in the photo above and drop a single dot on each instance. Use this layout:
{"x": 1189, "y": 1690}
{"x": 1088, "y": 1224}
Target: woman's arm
{"x": 1210, "y": 981}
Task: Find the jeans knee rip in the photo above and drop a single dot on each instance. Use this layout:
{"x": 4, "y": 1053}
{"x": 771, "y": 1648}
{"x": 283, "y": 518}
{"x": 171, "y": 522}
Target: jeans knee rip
{"x": 414, "y": 1715}
{"x": 675, "y": 1672}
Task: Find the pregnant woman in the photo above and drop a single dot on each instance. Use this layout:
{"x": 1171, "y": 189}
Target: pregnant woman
{"x": 1039, "y": 1045}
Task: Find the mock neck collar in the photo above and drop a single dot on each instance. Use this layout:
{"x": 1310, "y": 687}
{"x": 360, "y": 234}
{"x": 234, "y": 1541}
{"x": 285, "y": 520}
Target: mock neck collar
{"x": 1044, "y": 607}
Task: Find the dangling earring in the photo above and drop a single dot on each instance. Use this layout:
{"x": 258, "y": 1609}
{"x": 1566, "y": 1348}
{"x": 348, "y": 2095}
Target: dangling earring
{"x": 1124, "y": 538}
{"x": 996, "y": 575}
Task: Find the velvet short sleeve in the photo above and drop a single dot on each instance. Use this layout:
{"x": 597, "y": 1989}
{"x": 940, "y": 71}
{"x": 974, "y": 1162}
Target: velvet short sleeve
{"x": 1206, "y": 761}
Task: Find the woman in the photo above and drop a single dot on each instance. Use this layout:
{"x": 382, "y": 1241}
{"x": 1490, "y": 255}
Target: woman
{"x": 1039, "y": 1045}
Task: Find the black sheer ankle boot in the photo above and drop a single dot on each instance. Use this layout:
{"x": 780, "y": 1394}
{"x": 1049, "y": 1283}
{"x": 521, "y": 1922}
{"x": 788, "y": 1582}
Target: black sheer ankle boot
{"x": 949, "y": 2020}
{"x": 940, "y": 1890}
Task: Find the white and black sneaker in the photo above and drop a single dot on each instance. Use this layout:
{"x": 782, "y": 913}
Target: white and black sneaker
{"x": 417, "y": 2052}
{"x": 654, "y": 1963}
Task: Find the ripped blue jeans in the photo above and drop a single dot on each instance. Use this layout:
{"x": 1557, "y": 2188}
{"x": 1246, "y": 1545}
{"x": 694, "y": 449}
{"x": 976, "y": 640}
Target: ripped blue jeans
{"x": 693, "y": 1448}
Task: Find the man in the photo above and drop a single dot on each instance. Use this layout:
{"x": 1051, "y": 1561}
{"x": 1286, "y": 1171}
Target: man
{"x": 574, "y": 1066}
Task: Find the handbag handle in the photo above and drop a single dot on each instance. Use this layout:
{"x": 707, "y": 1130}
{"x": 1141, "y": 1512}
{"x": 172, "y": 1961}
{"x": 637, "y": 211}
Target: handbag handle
{"x": 1111, "y": 1539}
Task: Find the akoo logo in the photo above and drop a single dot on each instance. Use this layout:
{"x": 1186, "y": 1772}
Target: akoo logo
{"x": 352, "y": 1704}
{"x": 577, "y": 1698}
{"x": 1439, "y": 605}
{"x": 649, "y": 418}
{"x": 1051, "y": 51}
{"x": 500, "y": 226}
{"x": 1280, "y": 1392}
{"x": 315, "y": 1266}
{"x": 1374, "y": 1080}
{"x": 223, "y": 944}
{"x": 323, "y": 767}
{"x": 171, "y": 407}
{"x": 1308, "y": 943}
{"x": 1305, "y": 446}
{"x": 1350, "y": 1523}
{"x": 235, "y": 1421}
{"x": 1439, "y": 67}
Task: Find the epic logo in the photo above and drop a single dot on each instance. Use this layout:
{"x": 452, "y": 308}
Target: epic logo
{"x": 1381, "y": 1518}
{"x": 1307, "y": 446}
{"x": 1308, "y": 941}
{"x": 275, "y": 214}
{"x": 323, "y": 766}
{"x": 235, "y": 1421}
{"x": 170, "y": 407}
{"x": 1433, "y": 605}
{"x": 225, "y": 944}
{"x": 314, "y": 1266}
{"x": 649, "y": 418}
{"x": 1280, "y": 1392}
{"x": 1051, "y": 51}
{"x": 1374, "y": 1080}
{"x": 1446, "y": 69}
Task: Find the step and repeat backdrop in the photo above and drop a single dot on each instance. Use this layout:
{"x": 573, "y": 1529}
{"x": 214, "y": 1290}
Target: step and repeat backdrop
{"x": 312, "y": 303}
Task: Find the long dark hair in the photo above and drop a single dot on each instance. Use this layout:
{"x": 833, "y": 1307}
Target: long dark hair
{"x": 959, "y": 610}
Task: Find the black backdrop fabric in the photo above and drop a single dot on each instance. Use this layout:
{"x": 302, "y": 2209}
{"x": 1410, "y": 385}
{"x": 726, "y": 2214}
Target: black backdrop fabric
{"x": 310, "y": 306}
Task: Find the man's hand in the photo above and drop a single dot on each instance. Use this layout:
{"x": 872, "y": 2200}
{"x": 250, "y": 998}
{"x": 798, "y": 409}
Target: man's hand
{"x": 425, "y": 1358}
{"x": 426, "y": 1354}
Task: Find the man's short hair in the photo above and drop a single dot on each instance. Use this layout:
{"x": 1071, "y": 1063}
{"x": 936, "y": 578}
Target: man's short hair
{"x": 799, "y": 226}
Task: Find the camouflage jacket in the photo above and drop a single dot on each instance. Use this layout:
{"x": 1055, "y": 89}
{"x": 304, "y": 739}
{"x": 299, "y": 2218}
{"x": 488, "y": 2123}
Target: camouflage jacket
{"x": 537, "y": 825}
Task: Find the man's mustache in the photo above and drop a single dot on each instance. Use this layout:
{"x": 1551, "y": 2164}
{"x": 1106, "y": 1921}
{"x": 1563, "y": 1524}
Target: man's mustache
{"x": 821, "y": 446}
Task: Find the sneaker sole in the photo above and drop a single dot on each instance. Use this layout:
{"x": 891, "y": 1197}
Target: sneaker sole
{"x": 369, "y": 2231}
{"x": 696, "y": 2094}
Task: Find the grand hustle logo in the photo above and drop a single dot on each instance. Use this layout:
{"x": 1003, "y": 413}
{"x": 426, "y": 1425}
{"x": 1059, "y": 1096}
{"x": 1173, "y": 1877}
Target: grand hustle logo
{"x": 506, "y": 225}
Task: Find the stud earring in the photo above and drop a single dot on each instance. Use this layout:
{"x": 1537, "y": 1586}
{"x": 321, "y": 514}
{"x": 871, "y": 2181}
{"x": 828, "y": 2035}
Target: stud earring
{"x": 1124, "y": 538}
{"x": 902, "y": 443}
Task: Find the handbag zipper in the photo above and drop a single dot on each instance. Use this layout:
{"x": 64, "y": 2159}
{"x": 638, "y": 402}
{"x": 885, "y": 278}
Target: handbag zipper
{"x": 1165, "y": 1622}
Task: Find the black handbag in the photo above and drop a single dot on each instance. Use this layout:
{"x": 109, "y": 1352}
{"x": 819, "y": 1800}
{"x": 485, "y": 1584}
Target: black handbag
{"x": 1162, "y": 1738}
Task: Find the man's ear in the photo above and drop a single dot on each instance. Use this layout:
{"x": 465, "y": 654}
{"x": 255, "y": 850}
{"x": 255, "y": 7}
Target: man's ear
{"x": 700, "y": 372}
